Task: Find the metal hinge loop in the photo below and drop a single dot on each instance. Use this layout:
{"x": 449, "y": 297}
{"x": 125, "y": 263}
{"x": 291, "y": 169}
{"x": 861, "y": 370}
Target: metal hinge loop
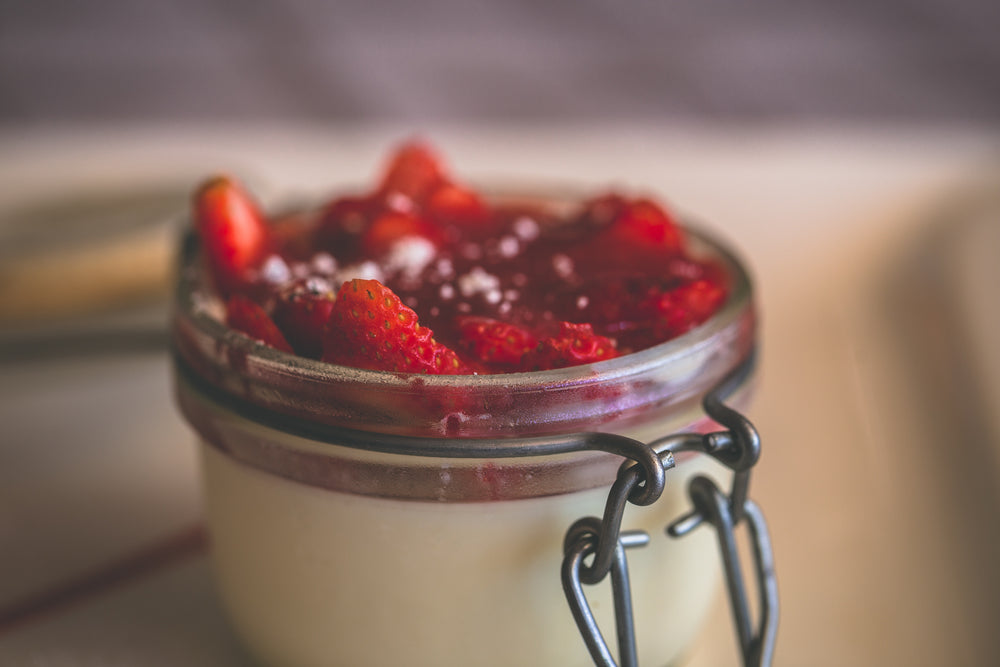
{"x": 581, "y": 541}
{"x": 640, "y": 481}
{"x": 756, "y": 645}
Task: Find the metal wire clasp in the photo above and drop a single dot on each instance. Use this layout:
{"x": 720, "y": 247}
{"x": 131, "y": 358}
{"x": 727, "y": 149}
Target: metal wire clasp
{"x": 641, "y": 480}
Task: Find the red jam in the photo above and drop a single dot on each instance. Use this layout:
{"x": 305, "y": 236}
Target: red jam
{"x": 426, "y": 275}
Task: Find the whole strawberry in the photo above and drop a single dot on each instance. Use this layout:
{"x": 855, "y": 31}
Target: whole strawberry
{"x": 369, "y": 327}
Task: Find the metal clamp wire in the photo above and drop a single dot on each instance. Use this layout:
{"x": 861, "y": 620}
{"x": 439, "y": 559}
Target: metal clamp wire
{"x": 639, "y": 481}
{"x": 581, "y": 541}
{"x": 756, "y": 645}
{"x": 630, "y": 486}
{"x": 641, "y": 477}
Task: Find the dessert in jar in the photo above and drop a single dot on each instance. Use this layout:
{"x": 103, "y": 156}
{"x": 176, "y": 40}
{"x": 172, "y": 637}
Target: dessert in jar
{"x": 384, "y": 388}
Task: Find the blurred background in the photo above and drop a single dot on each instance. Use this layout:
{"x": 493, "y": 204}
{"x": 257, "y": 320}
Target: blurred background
{"x": 773, "y": 61}
{"x": 850, "y": 150}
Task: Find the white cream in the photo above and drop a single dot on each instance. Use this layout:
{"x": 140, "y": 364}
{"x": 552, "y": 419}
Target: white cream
{"x": 316, "y": 577}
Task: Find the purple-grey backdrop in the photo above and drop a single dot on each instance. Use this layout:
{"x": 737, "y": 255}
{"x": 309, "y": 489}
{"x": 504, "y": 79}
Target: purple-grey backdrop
{"x": 444, "y": 60}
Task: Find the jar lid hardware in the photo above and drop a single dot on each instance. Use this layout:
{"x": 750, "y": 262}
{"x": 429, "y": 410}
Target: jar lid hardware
{"x": 641, "y": 480}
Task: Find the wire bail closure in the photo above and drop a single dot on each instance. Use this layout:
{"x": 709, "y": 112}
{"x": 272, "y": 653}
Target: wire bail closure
{"x": 641, "y": 480}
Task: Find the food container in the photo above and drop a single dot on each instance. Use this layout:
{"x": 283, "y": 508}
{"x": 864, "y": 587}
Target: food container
{"x": 370, "y": 518}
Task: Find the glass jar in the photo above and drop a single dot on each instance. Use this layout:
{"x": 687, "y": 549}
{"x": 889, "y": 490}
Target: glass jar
{"x": 369, "y": 518}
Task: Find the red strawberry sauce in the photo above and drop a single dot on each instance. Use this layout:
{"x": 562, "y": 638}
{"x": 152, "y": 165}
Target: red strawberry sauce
{"x": 423, "y": 274}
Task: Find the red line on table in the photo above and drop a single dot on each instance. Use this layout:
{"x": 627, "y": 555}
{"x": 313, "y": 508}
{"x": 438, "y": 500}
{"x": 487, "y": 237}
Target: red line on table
{"x": 171, "y": 550}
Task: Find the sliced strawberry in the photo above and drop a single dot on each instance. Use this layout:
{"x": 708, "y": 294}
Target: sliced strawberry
{"x": 302, "y": 311}
{"x": 611, "y": 303}
{"x": 232, "y": 231}
{"x": 369, "y": 327}
{"x": 702, "y": 298}
{"x": 389, "y": 228}
{"x": 439, "y": 359}
{"x": 575, "y": 344}
{"x": 451, "y": 204}
{"x": 413, "y": 172}
{"x": 601, "y": 211}
{"x": 642, "y": 224}
{"x": 246, "y": 316}
{"x": 495, "y": 343}
{"x": 292, "y": 237}
{"x": 350, "y": 213}
{"x": 683, "y": 308}
{"x": 342, "y": 222}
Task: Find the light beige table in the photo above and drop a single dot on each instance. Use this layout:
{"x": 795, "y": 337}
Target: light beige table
{"x": 878, "y": 395}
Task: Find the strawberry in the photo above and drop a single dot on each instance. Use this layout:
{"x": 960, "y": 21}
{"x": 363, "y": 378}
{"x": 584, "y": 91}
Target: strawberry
{"x": 388, "y": 228}
{"x": 575, "y": 344}
{"x": 683, "y": 308}
{"x": 601, "y": 211}
{"x": 369, "y": 327}
{"x": 301, "y": 312}
{"x": 643, "y": 225}
{"x": 342, "y": 222}
{"x": 636, "y": 234}
{"x": 451, "y": 204}
{"x": 702, "y": 298}
{"x": 291, "y": 237}
{"x": 246, "y": 316}
{"x": 232, "y": 231}
{"x": 414, "y": 171}
{"x": 495, "y": 343}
